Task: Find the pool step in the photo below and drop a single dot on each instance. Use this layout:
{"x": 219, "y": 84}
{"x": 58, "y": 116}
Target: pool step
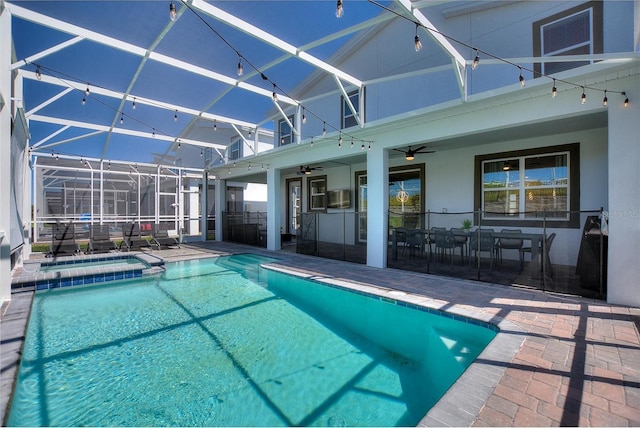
{"x": 247, "y": 266}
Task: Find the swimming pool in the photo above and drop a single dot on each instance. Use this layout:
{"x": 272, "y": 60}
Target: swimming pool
{"x": 206, "y": 345}
{"x": 111, "y": 262}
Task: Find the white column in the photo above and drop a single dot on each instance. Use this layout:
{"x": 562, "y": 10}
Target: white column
{"x": 220, "y": 206}
{"x": 378, "y": 206}
{"x": 274, "y": 208}
{"x": 204, "y": 205}
{"x": 5, "y": 153}
{"x": 624, "y": 200}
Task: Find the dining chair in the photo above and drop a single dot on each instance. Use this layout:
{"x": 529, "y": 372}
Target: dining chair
{"x": 414, "y": 241}
{"x": 445, "y": 242}
{"x": 510, "y": 244}
{"x": 460, "y": 236}
{"x": 431, "y": 238}
{"x": 481, "y": 240}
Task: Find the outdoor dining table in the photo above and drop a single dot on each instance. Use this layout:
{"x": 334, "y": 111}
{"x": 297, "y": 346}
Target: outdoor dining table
{"x": 535, "y": 239}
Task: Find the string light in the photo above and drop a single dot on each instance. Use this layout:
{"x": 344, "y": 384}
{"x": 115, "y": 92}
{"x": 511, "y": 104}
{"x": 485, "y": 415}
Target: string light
{"x": 86, "y": 91}
{"x": 416, "y": 41}
{"x": 476, "y": 60}
{"x": 554, "y": 90}
{"x": 133, "y": 104}
{"x": 240, "y": 67}
{"x": 121, "y": 118}
{"x": 339, "y": 9}
{"x": 340, "y": 140}
{"x": 215, "y": 127}
{"x": 605, "y": 101}
{"x": 172, "y": 11}
{"x": 175, "y": 116}
{"x": 362, "y": 146}
{"x": 324, "y": 129}
{"x": 304, "y": 118}
{"x": 521, "y": 78}
{"x": 626, "y": 99}
{"x": 273, "y": 94}
{"x": 352, "y": 142}
{"x": 38, "y": 73}
{"x": 312, "y": 142}
{"x": 201, "y": 152}
{"x": 583, "y": 97}
{"x": 109, "y": 165}
{"x": 179, "y": 144}
{"x": 154, "y": 133}
{"x": 84, "y": 100}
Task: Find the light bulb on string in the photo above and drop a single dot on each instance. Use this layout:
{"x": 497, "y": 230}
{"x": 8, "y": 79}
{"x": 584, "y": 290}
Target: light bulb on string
{"x": 352, "y": 142}
{"x": 273, "y": 94}
{"x": 38, "y": 73}
{"x": 554, "y": 90}
{"x": 172, "y": 12}
{"x": 153, "y": 134}
{"x": 626, "y": 99}
{"x": 312, "y": 142}
{"x": 583, "y": 97}
{"x": 521, "y": 78}
{"x": 362, "y": 146}
{"x": 121, "y": 118}
{"x": 304, "y": 117}
{"x": 133, "y": 104}
{"x": 240, "y": 67}
{"x": 84, "y": 100}
{"x": 175, "y": 116}
{"x": 87, "y": 91}
{"x": 201, "y": 152}
{"x": 339, "y": 9}
{"x": 215, "y": 126}
{"x": 476, "y": 61}
{"x": 416, "y": 41}
{"x": 605, "y": 101}
{"x": 340, "y": 140}
{"x": 324, "y": 129}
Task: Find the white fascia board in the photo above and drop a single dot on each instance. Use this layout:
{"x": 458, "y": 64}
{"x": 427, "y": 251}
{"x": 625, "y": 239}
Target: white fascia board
{"x": 130, "y": 132}
{"x": 269, "y": 38}
{"x": 46, "y": 52}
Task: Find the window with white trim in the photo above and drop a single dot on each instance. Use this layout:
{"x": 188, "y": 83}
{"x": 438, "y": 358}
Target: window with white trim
{"x": 318, "y": 193}
{"x": 348, "y": 118}
{"x": 234, "y": 151}
{"x": 285, "y": 132}
{"x": 577, "y": 31}
{"x": 525, "y": 186}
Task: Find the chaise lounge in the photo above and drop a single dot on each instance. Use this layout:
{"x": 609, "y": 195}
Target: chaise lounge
{"x": 63, "y": 240}
{"x": 100, "y": 240}
{"x": 162, "y": 238}
{"x": 132, "y": 239}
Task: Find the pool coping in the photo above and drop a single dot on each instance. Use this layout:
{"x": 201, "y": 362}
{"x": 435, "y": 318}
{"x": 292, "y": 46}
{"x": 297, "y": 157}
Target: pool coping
{"x": 462, "y": 402}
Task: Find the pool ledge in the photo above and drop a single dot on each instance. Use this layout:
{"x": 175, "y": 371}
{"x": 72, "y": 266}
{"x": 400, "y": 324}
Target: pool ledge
{"x": 30, "y": 278}
{"x": 462, "y": 403}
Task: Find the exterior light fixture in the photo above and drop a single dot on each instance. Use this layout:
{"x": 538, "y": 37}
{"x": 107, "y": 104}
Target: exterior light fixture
{"x": 172, "y": 12}
{"x": 506, "y": 166}
{"x": 240, "y": 67}
{"x": 339, "y": 9}
{"x": 626, "y": 99}
{"x": 416, "y": 41}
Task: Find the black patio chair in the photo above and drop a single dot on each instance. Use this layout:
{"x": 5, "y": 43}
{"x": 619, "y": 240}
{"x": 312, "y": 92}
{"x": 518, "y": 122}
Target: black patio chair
{"x": 481, "y": 240}
{"x": 132, "y": 239}
{"x": 100, "y": 239}
{"x": 63, "y": 240}
{"x": 162, "y": 238}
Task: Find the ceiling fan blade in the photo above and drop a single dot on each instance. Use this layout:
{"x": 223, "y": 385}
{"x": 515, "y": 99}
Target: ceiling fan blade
{"x": 399, "y": 150}
{"x": 418, "y": 149}
{"x": 427, "y": 151}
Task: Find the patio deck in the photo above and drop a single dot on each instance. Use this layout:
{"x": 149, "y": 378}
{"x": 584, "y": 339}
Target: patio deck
{"x": 576, "y": 364}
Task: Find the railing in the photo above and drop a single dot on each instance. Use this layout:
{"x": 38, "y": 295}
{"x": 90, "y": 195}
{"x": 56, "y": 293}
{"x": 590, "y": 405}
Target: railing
{"x": 337, "y": 235}
{"x": 248, "y": 228}
{"x": 564, "y": 252}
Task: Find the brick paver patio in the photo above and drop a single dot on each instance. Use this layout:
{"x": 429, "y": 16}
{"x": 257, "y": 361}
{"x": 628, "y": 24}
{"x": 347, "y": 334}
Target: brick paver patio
{"x": 578, "y": 362}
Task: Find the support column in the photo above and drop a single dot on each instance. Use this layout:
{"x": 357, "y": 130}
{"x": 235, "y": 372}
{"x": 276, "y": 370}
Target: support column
{"x": 204, "y": 204}
{"x": 378, "y": 206}
{"x": 5, "y": 153}
{"x": 274, "y": 208}
{"x": 624, "y": 200}
{"x": 220, "y": 204}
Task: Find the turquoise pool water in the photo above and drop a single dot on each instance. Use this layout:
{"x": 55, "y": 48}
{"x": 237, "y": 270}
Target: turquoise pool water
{"x": 207, "y": 345}
{"x": 114, "y": 262}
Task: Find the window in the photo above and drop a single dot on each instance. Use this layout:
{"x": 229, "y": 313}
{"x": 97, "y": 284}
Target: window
{"x": 523, "y": 185}
{"x": 348, "y": 119}
{"x": 318, "y": 193}
{"x": 284, "y": 130}
{"x": 575, "y": 31}
{"x": 235, "y": 149}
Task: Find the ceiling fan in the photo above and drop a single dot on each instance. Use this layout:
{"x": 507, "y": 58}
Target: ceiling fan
{"x": 410, "y": 153}
{"x": 306, "y": 170}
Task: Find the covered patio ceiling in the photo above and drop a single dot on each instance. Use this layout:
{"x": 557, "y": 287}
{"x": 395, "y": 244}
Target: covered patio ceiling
{"x": 121, "y": 80}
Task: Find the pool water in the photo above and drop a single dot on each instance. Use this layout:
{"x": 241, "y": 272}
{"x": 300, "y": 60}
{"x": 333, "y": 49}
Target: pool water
{"x": 114, "y": 262}
{"x": 207, "y": 345}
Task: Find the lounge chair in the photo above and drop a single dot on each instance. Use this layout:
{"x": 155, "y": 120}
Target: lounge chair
{"x": 162, "y": 238}
{"x": 100, "y": 240}
{"x": 63, "y": 240}
{"x": 132, "y": 239}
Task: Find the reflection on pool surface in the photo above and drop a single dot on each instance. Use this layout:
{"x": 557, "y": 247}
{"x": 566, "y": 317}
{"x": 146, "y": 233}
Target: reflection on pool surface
{"x": 206, "y": 345}
{"x": 114, "y": 262}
